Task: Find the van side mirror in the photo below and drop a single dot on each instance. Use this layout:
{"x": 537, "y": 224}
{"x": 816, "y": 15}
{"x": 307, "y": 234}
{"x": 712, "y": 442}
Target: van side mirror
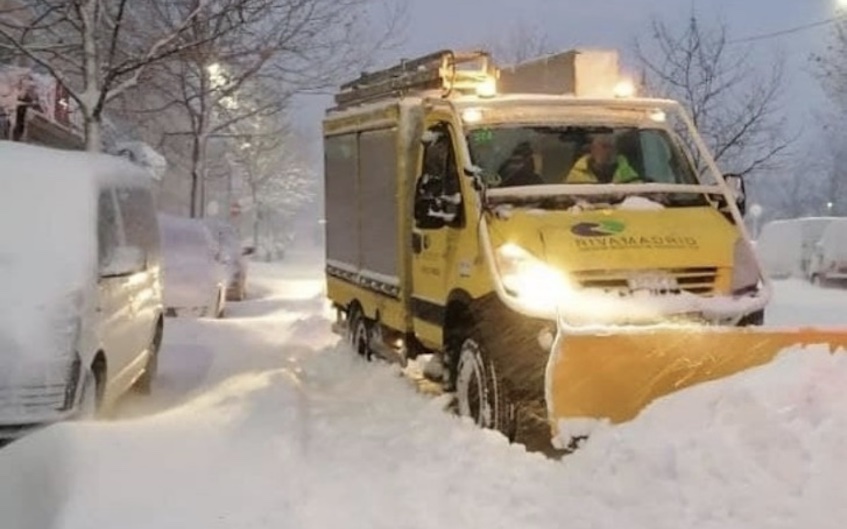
{"x": 125, "y": 260}
{"x": 738, "y": 189}
{"x": 249, "y": 250}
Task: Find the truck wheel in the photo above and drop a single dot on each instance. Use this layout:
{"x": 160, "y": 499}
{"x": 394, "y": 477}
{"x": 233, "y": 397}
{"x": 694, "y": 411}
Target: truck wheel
{"x": 480, "y": 393}
{"x": 359, "y": 334}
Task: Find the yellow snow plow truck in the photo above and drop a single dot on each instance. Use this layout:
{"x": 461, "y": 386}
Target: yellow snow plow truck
{"x": 561, "y": 249}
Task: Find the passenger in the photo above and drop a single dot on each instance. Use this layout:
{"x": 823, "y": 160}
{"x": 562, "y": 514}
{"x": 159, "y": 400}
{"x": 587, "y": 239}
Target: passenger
{"x": 602, "y": 165}
{"x": 519, "y": 168}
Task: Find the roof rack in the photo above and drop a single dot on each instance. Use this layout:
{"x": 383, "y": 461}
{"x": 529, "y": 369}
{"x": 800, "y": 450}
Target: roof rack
{"x": 445, "y": 70}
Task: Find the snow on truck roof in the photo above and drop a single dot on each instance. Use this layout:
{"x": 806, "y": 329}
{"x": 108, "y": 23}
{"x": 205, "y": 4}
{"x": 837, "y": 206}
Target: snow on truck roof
{"x": 551, "y": 106}
{"x": 21, "y": 162}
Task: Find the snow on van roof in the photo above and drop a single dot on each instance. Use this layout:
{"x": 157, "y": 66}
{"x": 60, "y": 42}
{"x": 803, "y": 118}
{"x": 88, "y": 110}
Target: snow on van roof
{"x": 27, "y": 162}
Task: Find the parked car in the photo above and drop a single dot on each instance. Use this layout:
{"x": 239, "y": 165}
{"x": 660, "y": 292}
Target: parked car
{"x": 194, "y": 279}
{"x": 786, "y": 246}
{"x": 829, "y": 261}
{"x": 232, "y": 254}
{"x": 81, "y": 317}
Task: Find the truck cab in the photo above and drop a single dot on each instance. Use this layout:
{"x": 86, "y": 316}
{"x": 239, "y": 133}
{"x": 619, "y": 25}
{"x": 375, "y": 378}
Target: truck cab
{"x": 475, "y": 212}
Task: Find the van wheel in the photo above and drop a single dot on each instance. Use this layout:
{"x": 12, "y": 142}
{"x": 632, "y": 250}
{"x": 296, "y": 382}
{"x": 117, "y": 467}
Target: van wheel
{"x": 480, "y": 392}
{"x": 360, "y": 332}
{"x": 144, "y": 384}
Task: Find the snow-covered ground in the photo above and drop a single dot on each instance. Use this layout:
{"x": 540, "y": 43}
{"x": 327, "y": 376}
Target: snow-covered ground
{"x": 264, "y": 420}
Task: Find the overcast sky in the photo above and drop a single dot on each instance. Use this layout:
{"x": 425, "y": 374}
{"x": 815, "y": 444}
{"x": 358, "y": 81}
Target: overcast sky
{"x": 458, "y": 24}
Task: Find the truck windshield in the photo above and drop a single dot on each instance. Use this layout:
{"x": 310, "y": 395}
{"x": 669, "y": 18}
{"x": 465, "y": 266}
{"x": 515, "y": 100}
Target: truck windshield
{"x": 531, "y": 155}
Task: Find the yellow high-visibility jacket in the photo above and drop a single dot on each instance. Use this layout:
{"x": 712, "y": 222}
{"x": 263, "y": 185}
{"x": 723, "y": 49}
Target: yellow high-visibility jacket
{"x": 581, "y": 172}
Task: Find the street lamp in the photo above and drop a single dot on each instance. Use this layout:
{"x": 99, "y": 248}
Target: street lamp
{"x": 830, "y": 204}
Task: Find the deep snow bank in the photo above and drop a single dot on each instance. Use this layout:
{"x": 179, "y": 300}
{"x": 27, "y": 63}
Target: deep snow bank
{"x": 289, "y": 429}
{"x": 305, "y": 446}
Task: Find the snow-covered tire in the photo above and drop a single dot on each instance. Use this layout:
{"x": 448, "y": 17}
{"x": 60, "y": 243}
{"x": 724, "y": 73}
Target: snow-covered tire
{"x": 480, "y": 393}
{"x": 754, "y": 319}
{"x": 359, "y": 335}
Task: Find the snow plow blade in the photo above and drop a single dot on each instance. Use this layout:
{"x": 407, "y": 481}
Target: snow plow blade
{"x": 612, "y": 375}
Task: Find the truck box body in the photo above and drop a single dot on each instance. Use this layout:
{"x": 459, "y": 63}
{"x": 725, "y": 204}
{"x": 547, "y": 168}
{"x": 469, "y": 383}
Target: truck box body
{"x": 368, "y": 197}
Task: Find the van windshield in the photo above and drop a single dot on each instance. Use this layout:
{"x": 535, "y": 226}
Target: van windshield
{"x": 532, "y": 155}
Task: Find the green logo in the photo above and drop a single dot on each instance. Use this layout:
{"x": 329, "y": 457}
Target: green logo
{"x": 603, "y": 228}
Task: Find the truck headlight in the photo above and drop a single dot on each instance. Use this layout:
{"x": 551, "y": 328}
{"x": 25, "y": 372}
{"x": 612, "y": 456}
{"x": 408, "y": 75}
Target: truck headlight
{"x": 745, "y": 272}
{"x": 533, "y": 283}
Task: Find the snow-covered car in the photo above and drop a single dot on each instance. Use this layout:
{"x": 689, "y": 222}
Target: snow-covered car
{"x": 232, "y": 254}
{"x": 195, "y": 280}
{"x": 81, "y": 317}
{"x": 829, "y": 260}
{"x": 785, "y": 247}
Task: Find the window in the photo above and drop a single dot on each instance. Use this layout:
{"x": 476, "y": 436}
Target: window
{"x": 108, "y": 238}
{"x": 139, "y": 220}
{"x": 528, "y": 155}
{"x": 438, "y": 196}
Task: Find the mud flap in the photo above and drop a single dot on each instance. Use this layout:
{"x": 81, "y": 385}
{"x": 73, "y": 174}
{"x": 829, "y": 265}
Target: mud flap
{"x": 611, "y": 375}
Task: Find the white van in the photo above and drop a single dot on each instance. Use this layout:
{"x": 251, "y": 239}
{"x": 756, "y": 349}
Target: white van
{"x": 786, "y": 246}
{"x": 829, "y": 260}
{"x": 81, "y": 316}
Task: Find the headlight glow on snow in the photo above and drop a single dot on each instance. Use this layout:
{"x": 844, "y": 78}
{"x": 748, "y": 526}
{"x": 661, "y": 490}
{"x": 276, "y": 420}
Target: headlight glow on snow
{"x": 532, "y": 282}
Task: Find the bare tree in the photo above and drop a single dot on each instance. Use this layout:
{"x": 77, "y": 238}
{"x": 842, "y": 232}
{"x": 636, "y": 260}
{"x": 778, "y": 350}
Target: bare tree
{"x": 734, "y": 102}
{"x": 280, "y": 47}
{"x": 100, "y": 49}
{"x": 524, "y": 41}
{"x": 278, "y": 177}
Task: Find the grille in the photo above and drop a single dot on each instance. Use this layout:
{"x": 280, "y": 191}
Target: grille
{"x": 696, "y": 280}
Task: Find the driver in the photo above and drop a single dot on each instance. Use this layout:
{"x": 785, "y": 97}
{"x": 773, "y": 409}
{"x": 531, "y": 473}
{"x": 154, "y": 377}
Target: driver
{"x": 602, "y": 165}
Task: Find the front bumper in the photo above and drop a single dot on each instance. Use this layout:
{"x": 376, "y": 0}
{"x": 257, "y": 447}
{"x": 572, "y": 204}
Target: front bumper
{"x": 37, "y": 394}
{"x": 597, "y": 308}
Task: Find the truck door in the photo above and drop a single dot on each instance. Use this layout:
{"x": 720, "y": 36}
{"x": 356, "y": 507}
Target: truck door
{"x": 438, "y": 219}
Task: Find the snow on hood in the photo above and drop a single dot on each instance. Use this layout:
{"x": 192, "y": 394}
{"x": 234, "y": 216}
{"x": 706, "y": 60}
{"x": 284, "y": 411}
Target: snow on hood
{"x": 638, "y": 203}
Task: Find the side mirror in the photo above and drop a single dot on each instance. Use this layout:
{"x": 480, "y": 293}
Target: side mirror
{"x": 125, "y": 260}
{"x": 249, "y": 250}
{"x": 738, "y": 189}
